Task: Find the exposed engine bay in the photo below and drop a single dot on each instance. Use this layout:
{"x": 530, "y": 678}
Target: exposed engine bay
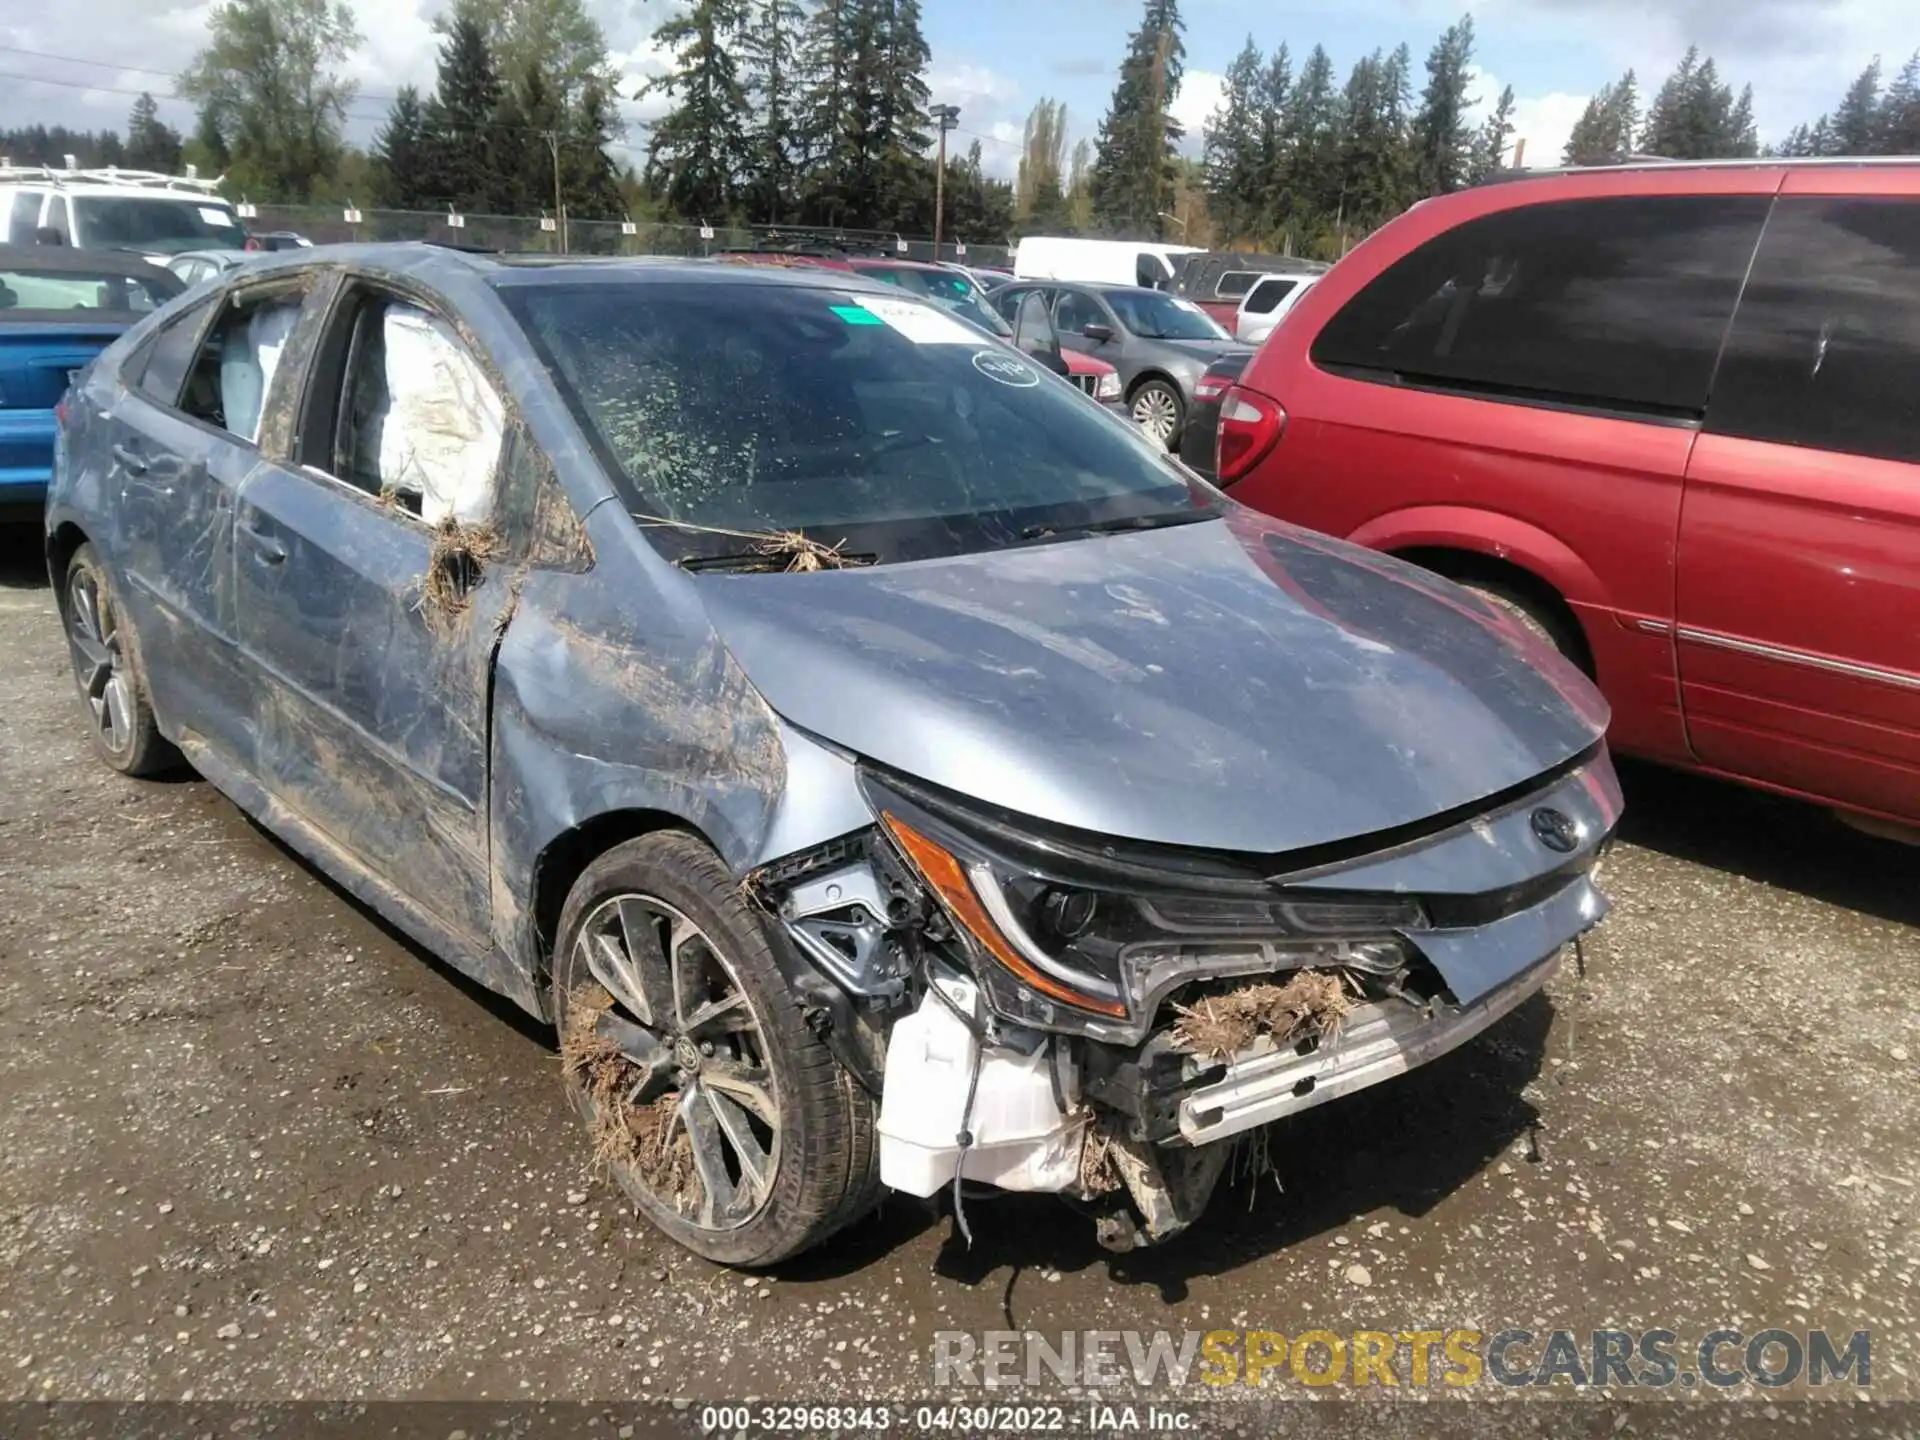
{"x": 1102, "y": 1021}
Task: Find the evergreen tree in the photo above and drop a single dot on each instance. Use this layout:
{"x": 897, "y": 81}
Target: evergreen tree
{"x": 698, "y": 153}
{"x": 898, "y": 129}
{"x": 1490, "y": 146}
{"x": 1371, "y": 145}
{"x": 1742, "y": 138}
{"x": 590, "y": 184}
{"x": 826, "y": 60}
{"x": 1696, "y": 117}
{"x": 1312, "y": 142}
{"x": 771, "y": 72}
{"x": 207, "y": 149}
{"x": 1132, "y": 182}
{"x": 1900, "y": 111}
{"x": 399, "y": 154}
{"x": 1271, "y": 195}
{"x": 151, "y": 144}
{"x": 461, "y": 140}
{"x": 1608, "y": 127}
{"x": 1857, "y": 121}
{"x": 1232, "y": 148}
{"x": 1442, "y": 134}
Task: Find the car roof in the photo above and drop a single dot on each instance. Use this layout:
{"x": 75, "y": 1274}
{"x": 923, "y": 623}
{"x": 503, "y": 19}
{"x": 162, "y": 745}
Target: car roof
{"x": 64, "y": 258}
{"x": 427, "y": 261}
{"x": 1656, "y": 165}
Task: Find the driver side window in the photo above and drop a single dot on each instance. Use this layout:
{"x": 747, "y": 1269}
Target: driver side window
{"x": 408, "y": 415}
{"x": 1075, "y": 312}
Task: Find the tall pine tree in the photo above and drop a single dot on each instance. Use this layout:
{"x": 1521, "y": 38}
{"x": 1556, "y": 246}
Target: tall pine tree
{"x": 1133, "y": 179}
{"x": 698, "y": 154}
{"x": 1490, "y": 145}
{"x": 1857, "y": 120}
{"x": 1442, "y": 133}
{"x": 1609, "y": 127}
{"x": 771, "y": 72}
{"x": 461, "y": 167}
{"x": 151, "y": 143}
{"x": 399, "y": 154}
{"x": 1900, "y": 111}
{"x": 1232, "y": 148}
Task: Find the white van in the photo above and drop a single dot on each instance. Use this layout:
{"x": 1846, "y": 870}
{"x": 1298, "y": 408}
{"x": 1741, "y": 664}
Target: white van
{"x": 1108, "y": 262}
{"x": 147, "y": 214}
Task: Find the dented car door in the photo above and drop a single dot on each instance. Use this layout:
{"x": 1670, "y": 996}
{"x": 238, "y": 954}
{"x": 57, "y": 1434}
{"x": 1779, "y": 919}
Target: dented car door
{"x": 371, "y": 619}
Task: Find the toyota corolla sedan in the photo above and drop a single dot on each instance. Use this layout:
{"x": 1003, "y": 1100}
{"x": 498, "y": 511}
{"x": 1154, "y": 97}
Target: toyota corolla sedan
{"x": 881, "y": 769}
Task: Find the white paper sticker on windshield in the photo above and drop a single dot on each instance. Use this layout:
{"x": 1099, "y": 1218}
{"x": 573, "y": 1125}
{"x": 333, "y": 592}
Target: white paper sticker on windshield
{"x": 213, "y": 216}
{"x": 922, "y": 324}
{"x": 1006, "y": 368}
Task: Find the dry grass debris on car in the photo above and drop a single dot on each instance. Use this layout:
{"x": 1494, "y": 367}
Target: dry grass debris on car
{"x": 644, "y": 1135}
{"x": 455, "y": 564}
{"x": 1313, "y": 1002}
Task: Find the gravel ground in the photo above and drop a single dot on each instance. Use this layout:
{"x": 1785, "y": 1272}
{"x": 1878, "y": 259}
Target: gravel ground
{"x": 259, "y": 1148}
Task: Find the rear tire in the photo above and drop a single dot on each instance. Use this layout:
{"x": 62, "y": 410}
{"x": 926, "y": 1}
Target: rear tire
{"x": 1549, "y": 625}
{"x": 109, "y": 672}
{"x": 655, "y": 935}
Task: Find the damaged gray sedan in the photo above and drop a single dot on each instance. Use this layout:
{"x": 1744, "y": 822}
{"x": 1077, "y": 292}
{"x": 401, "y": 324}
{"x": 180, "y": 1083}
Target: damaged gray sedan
{"x": 883, "y": 768}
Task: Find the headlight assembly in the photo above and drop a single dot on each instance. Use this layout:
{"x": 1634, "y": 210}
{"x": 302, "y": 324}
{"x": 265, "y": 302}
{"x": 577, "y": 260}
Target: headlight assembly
{"x": 1063, "y": 953}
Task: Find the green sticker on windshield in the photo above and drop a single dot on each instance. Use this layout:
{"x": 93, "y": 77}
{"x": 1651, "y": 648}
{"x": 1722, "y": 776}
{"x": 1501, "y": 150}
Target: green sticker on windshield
{"x": 855, "y": 315}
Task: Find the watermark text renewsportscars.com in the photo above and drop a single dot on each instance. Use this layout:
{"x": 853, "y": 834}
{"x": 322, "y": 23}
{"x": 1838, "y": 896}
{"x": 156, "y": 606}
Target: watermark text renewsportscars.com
{"x": 1415, "y": 1359}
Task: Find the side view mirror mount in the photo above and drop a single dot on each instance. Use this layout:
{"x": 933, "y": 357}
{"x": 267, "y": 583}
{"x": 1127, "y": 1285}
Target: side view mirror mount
{"x": 1096, "y": 332}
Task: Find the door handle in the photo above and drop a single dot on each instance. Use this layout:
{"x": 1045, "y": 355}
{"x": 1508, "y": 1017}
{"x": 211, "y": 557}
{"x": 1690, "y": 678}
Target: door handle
{"x": 130, "y": 459}
{"x": 267, "y": 549}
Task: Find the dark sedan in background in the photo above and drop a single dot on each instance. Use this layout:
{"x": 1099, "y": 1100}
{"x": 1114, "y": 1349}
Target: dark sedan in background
{"x": 1198, "y": 438}
{"x": 59, "y": 308}
{"x": 1159, "y": 343}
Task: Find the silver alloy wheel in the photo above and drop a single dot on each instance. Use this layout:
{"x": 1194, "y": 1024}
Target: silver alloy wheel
{"x": 682, "y": 1017}
{"x": 1156, "y": 411}
{"x": 99, "y": 663}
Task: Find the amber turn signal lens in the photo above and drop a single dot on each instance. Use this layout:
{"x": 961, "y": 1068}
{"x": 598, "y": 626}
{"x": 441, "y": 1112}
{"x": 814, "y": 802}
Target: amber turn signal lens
{"x": 949, "y": 881}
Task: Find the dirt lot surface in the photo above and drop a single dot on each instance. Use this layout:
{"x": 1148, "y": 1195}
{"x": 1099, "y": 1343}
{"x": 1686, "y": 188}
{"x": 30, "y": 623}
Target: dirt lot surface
{"x": 257, "y": 1147}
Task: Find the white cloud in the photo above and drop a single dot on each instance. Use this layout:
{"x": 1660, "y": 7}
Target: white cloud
{"x": 1543, "y": 121}
{"x": 971, "y": 87}
{"x": 1200, "y": 94}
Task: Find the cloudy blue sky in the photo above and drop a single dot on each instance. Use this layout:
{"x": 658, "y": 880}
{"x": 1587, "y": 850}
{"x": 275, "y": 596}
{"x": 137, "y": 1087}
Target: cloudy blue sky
{"x": 77, "y": 61}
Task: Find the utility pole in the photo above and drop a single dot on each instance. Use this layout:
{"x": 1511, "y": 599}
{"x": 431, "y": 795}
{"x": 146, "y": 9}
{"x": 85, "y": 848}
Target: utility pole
{"x": 947, "y": 116}
{"x": 559, "y": 207}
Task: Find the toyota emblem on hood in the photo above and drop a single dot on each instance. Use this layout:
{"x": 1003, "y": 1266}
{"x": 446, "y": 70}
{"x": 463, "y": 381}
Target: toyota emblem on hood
{"x": 1556, "y": 830}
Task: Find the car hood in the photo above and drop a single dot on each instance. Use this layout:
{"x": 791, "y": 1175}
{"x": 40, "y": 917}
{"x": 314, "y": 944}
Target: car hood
{"x": 1237, "y": 684}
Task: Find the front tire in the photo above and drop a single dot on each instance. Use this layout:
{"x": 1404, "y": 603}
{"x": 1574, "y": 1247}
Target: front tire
{"x": 109, "y": 672}
{"x": 1158, "y": 409}
{"x": 724, "y": 1118}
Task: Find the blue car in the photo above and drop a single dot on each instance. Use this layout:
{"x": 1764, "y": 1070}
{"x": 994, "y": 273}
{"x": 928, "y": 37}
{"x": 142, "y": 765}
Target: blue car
{"x": 58, "y": 309}
{"x": 883, "y": 770}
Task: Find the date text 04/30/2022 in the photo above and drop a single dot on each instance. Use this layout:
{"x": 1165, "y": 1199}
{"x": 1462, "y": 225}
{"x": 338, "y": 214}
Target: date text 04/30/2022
{"x": 1094, "y": 1418}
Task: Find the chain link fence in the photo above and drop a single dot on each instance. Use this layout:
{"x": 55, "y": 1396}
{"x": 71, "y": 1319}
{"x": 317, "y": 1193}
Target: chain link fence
{"x": 326, "y": 225}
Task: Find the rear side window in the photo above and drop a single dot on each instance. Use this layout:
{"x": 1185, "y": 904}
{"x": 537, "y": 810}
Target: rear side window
{"x": 1236, "y": 283}
{"x": 1617, "y": 303}
{"x": 1267, "y": 295}
{"x": 160, "y": 369}
{"x": 1825, "y": 351}
{"x": 24, "y": 218}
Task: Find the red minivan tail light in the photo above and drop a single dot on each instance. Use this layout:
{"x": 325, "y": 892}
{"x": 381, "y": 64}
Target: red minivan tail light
{"x": 1250, "y": 426}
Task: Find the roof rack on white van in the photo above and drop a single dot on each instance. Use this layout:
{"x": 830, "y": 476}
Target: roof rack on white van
{"x": 110, "y": 175}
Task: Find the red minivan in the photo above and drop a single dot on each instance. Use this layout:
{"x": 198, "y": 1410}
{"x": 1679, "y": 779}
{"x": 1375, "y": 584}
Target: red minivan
{"x": 1669, "y": 412}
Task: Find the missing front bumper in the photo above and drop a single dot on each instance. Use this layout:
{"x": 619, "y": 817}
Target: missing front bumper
{"x": 1375, "y": 1042}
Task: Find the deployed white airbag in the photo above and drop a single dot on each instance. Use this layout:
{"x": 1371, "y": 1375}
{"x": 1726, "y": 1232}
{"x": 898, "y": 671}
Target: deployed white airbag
{"x": 440, "y": 432}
